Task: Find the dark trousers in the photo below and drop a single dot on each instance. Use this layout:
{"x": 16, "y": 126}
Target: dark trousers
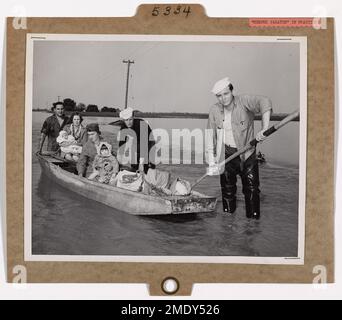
{"x": 249, "y": 173}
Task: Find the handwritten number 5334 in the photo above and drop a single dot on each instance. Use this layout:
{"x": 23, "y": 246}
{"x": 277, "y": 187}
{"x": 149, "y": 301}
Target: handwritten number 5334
{"x": 169, "y": 10}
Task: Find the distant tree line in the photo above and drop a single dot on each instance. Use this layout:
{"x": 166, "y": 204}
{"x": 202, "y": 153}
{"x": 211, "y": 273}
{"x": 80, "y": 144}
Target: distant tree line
{"x": 71, "y": 106}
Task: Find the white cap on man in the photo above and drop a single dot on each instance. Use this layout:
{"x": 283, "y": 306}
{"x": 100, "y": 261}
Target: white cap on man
{"x": 126, "y": 113}
{"x": 220, "y": 85}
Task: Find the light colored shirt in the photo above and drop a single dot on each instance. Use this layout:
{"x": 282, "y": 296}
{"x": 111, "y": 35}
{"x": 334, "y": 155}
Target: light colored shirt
{"x": 242, "y": 121}
{"x": 228, "y": 130}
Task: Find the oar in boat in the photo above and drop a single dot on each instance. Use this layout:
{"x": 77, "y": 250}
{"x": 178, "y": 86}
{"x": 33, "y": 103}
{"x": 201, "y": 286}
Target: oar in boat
{"x": 252, "y": 143}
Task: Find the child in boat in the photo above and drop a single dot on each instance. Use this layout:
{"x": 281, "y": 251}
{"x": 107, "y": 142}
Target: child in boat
{"x": 70, "y": 150}
{"x": 105, "y": 165}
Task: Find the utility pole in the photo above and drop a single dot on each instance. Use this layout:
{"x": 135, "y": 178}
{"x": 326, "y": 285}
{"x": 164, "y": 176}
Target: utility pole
{"x": 129, "y": 62}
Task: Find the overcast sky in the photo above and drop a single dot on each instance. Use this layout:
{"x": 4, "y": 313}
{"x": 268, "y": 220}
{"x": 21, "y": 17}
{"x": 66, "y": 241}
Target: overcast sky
{"x": 166, "y": 76}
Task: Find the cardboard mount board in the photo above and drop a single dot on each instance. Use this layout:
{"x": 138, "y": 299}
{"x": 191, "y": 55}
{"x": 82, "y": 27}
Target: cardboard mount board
{"x": 319, "y": 242}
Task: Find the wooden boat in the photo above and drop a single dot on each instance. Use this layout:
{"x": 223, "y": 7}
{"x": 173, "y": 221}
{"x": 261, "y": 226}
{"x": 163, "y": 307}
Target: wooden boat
{"x": 131, "y": 202}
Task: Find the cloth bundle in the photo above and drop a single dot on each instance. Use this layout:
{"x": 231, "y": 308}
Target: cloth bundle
{"x": 180, "y": 187}
{"x": 159, "y": 182}
{"x": 158, "y": 178}
{"x": 129, "y": 180}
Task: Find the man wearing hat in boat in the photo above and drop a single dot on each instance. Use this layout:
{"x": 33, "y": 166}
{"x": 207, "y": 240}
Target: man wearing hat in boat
{"x": 231, "y": 127}
{"x": 52, "y": 126}
{"x": 135, "y": 142}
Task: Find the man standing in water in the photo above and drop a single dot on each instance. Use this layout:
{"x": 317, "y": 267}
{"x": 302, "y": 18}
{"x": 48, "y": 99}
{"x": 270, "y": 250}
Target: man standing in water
{"x": 51, "y": 127}
{"x": 231, "y": 127}
{"x": 135, "y": 141}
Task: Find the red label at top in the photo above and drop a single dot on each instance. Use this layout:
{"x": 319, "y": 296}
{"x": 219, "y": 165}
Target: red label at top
{"x": 281, "y": 22}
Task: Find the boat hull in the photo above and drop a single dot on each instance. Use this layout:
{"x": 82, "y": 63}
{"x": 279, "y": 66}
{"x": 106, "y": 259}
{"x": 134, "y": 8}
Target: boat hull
{"x": 124, "y": 200}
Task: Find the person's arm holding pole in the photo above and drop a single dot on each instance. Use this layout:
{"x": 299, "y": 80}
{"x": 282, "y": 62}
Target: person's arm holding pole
{"x": 266, "y": 116}
{"x": 253, "y": 143}
{"x": 263, "y": 106}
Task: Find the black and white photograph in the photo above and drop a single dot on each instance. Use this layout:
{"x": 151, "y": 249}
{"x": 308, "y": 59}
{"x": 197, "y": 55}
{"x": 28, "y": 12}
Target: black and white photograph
{"x": 164, "y": 148}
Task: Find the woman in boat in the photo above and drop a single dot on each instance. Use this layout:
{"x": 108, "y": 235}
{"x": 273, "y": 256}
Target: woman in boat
{"x": 76, "y": 129}
{"x": 89, "y": 151}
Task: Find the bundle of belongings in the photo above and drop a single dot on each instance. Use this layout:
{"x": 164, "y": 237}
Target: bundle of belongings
{"x": 129, "y": 180}
{"x": 155, "y": 182}
{"x": 180, "y": 187}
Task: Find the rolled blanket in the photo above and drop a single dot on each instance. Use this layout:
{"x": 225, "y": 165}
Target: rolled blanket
{"x": 180, "y": 187}
{"x": 158, "y": 178}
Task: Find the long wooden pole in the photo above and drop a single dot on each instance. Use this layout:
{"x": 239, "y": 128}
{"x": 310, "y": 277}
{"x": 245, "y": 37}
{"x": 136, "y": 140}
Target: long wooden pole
{"x": 127, "y": 79}
{"x": 252, "y": 143}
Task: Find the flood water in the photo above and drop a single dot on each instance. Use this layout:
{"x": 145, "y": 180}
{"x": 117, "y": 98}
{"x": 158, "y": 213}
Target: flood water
{"x": 65, "y": 223}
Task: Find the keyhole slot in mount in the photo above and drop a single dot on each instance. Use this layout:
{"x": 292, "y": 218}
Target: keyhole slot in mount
{"x": 170, "y": 285}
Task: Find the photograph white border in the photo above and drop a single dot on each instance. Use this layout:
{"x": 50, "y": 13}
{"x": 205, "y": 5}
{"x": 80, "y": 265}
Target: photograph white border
{"x": 28, "y": 256}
